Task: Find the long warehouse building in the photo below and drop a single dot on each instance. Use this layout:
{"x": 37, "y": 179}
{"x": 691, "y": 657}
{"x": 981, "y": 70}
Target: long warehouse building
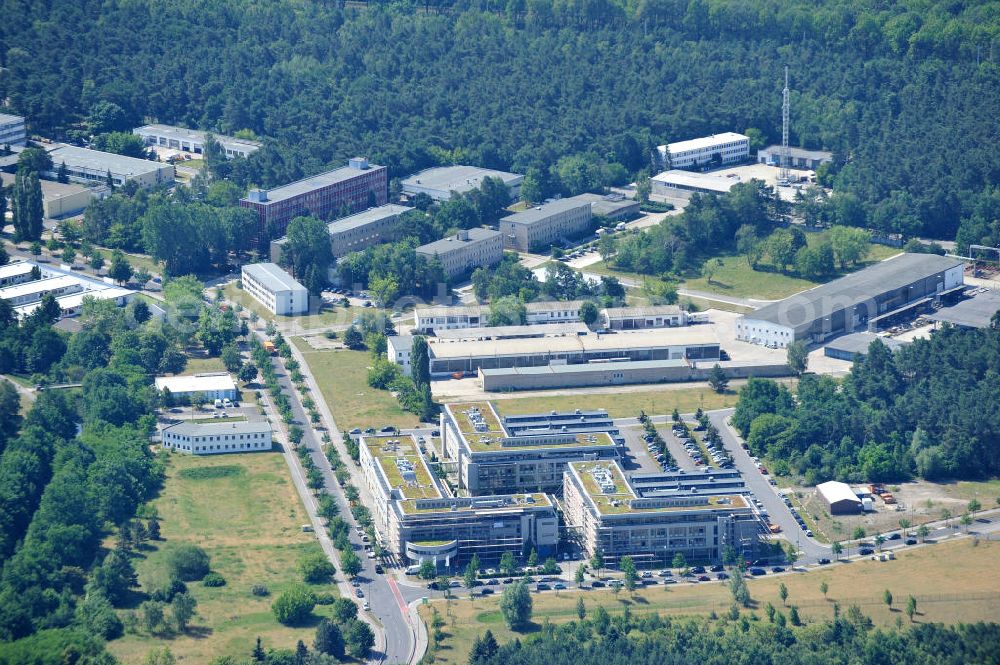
{"x": 468, "y": 357}
{"x": 865, "y": 300}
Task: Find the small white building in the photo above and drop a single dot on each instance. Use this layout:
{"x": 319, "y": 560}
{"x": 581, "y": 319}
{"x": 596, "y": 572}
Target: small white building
{"x": 275, "y": 289}
{"x": 398, "y": 349}
{"x": 216, "y": 438}
{"x": 679, "y": 184}
{"x": 718, "y": 150}
{"x": 211, "y": 386}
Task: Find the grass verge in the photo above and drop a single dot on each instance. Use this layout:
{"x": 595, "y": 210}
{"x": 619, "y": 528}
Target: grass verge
{"x": 947, "y": 580}
{"x": 342, "y": 376}
{"x": 245, "y": 513}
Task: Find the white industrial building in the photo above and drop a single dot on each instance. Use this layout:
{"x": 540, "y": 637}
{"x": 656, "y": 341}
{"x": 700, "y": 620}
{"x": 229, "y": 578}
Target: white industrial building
{"x": 465, "y": 251}
{"x": 839, "y": 498}
{"x": 715, "y": 150}
{"x": 869, "y": 299}
{"x": 677, "y": 184}
{"x": 275, "y": 289}
{"x": 209, "y": 386}
{"x": 546, "y": 225}
{"x": 217, "y": 438}
{"x": 435, "y": 318}
{"x": 33, "y": 291}
{"x": 93, "y": 166}
{"x": 440, "y": 182}
{"x": 25, "y": 283}
{"x": 12, "y": 131}
{"x": 636, "y": 318}
{"x": 193, "y": 140}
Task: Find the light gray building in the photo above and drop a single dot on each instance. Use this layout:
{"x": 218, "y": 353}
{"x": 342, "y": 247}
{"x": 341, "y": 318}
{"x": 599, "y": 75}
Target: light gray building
{"x": 12, "y": 131}
{"x": 800, "y": 157}
{"x": 465, "y": 251}
{"x": 855, "y": 345}
{"x": 439, "y": 182}
{"x": 610, "y": 206}
{"x": 718, "y": 149}
{"x": 217, "y": 438}
{"x": 356, "y": 232}
{"x": 636, "y": 318}
{"x": 493, "y": 458}
{"x": 974, "y": 312}
{"x": 93, "y": 166}
{"x": 398, "y": 349}
{"x": 679, "y": 184}
{"x": 193, "y": 140}
{"x": 652, "y": 518}
{"x": 864, "y": 300}
{"x": 546, "y": 225}
{"x": 275, "y": 289}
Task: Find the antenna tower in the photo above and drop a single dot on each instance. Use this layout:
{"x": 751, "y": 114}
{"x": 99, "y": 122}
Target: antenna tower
{"x": 786, "y": 156}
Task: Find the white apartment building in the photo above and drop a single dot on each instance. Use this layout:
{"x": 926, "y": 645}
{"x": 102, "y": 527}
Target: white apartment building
{"x": 465, "y": 251}
{"x": 398, "y": 348}
{"x": 546, "y": 225}
{"x": 718, "y": 149}
{"x": 193, "y": 141}
{"x": 209, "y": 386}
{"x": 275, "y": 289}
{"x": 12, "y": 130}
{"x": 217, "y": 438}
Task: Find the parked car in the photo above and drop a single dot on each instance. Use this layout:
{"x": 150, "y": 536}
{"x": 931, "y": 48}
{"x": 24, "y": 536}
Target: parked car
{"x": 758, "y": 571}
{"x": 824, "y": 561}
{"x": 359, "y": 593}
{"x": 777, "y": 569}
{"x": 486, "y": 592}
{"x": 356, "y": 430}
{"x": 542, "y": 586}
{"x": 722, "y": 576}
{"x": 559, "y": 585}
{"x": 895, "y": 536}
{"x": 704, "y": 578}
{"x": 865, "y": 551}
{"x": 911, "y": 541}
{"x": 598, "y": 584}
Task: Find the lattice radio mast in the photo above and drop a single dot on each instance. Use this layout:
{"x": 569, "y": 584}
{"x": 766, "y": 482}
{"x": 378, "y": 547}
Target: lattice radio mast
{"x": 786, "y": 156}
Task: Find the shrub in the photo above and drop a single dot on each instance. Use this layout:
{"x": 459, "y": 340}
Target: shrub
{"x": 211, "y": 472}
{"x": 325, "y": 598}
{"x": 214, "y": 580}
{"x": 316, "y": 568}
{"x": 294, "y": 606}
{"x": 167, "y": 591}
{"x": 259, "y": 590}
{"x": 188, "y": 562}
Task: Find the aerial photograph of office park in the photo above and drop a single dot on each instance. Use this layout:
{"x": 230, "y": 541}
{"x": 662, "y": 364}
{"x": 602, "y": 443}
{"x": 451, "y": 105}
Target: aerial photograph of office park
{"x": 499, "y": 333}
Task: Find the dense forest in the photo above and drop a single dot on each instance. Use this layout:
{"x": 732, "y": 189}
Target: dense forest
{"x": 574, "y": 94}
{"x": 932, "y": 410}
{"x": 625, "y": 640}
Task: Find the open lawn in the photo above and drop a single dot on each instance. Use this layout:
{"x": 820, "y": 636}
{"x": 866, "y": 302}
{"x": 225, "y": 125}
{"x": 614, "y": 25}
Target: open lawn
{"x": 203, "y": 365}
{"x": 342, "y": 376}
{"x": 948, "y": 580}
{"x": 247, "y": 516}
{"x": 624, "y": 404}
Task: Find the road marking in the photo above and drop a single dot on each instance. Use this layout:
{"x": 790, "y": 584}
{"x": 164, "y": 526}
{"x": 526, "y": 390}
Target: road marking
{"x": 399, "y": 597}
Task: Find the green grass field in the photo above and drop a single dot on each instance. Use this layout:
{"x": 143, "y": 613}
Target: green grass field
{"x": 947, "y": 579}
{"x": 343, "y": 378}
{"x": 625, "y": 404}
{"x": 244, "y": 511}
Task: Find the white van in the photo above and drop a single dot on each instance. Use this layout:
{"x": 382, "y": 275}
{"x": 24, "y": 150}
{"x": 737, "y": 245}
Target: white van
{"x": 218, "y": 403}
{"x": 413, "y": 570}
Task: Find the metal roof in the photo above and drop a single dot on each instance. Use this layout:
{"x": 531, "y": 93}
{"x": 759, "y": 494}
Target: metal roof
{"x": 272, "y": 277}
{"x": 834, "y": 491}
{"x": 364, "y": 218}
{"x": 975, "y": 312}
{"x": 40, "y": 285}
{"x": 213, "y": 429}
{"x": 312, "y": 183}
{"x": 458, "y": 178}
{"x": 544, "y": 211}
{"x": 858, "y": 343}
{"x": 452, "y": 243}
{"x": 798, "y": 312}
{"x": 6, "y": 118}
{"x": 690, "y": 179}
{"x": 97, "y": 161}
{"x": 638, "y": 312}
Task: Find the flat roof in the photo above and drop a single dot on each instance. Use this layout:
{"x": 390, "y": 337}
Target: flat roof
{"x": 691, "y": 179}
{"x": 212, "y": 429}
{"x": 8, "y": 117}
{"x": 705, "y": 142}
{"x": 181, "y": 133}
{"x": 458, "y": 178}
{"x": 583, "y": 368}
{"x": 437, "y": 311}
{"x": 638, "y": 312}
{"x": 486, "y": 505}
{"x": 604, "y": 204}
{"x": 860, "y": 341}
{"x": 802, "y": 309}
{"x": 95, "y": 160}
{"x": 801, "y": 153}
{"x": 660, "y": 338}
{"x": 16, "y": 269}
{"x": 272, "y": 277}
{"x": 552, "y": 306}
{"x": 50, "y": 190}
{"x": 194, "y": 383}
{"x": 367, "y": 217}
{"x": 834, "y": 491}
{"x": 501, "y": 332}
{"x": 975, "y": 312}
{"x": 312, "y": 183}
{"x": 542, "y": 212}
{"x": 452, "y": 243}
{"x": 482, "y": 429}
{"x": 39, "y": 285}
{"x": 399, "y": 454}
{"x": 73, "y": 300}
